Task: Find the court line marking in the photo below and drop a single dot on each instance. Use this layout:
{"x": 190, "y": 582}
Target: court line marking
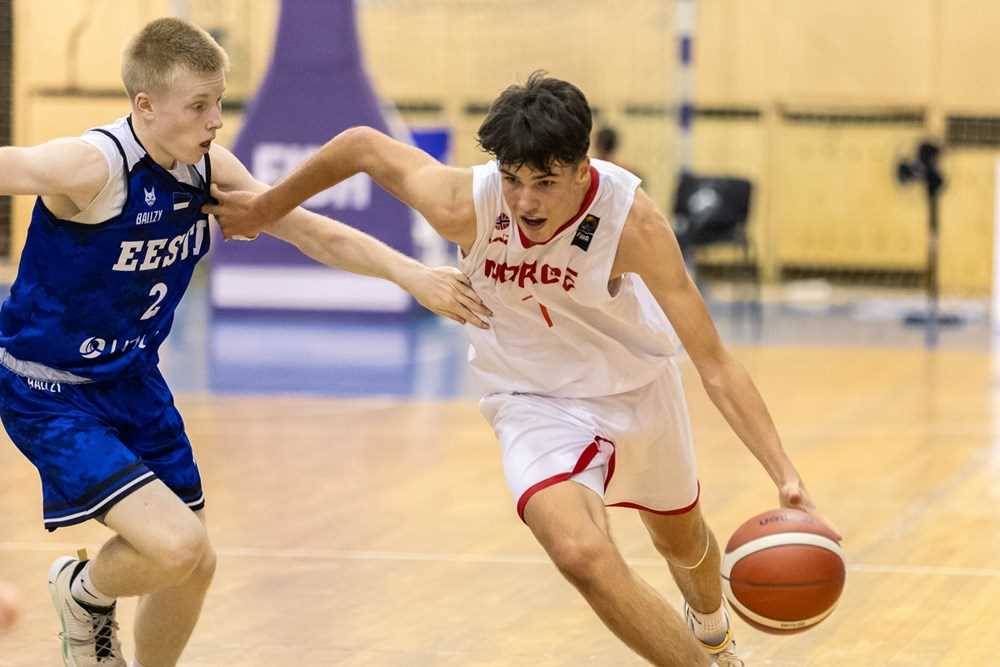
{"x": 486, "y": 559}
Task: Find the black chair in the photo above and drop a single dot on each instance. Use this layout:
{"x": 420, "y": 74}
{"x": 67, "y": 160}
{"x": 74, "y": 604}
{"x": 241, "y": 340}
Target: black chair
{"x": 710, "y": 210}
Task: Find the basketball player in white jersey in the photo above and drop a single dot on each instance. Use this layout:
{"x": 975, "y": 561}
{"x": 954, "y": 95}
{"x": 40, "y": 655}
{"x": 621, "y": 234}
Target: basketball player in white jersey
{"x": 591, "y": 306}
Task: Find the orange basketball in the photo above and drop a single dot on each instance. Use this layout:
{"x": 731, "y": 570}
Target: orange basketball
{"x": 783, "y": 571}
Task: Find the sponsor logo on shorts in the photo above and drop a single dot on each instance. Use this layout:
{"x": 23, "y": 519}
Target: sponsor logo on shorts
{"x": 44, "y": 385}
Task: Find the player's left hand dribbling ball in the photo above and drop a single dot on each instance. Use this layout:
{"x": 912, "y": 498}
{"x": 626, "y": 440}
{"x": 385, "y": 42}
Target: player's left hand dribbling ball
{"x": 783, "y": 571}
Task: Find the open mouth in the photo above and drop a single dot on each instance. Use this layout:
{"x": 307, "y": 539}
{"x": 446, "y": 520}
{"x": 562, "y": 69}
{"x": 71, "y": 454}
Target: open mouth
{"x": 533, "y": 223}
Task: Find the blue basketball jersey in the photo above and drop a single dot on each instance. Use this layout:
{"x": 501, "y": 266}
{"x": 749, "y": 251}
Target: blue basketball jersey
{"x": 96, "y": 300}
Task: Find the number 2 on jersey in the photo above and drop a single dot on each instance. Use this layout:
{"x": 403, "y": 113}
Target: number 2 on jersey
{"x": 159, "y": 291}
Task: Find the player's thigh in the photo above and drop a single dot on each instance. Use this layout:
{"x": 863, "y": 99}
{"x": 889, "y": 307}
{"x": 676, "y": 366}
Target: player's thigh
{"x": 152, "y": 428}
{"x": 157, "y": 523}
{"x": 568, "y": 520}
{"x": 83, "y": 466}
{"x": 656, "y": 468}
{"x": 543, "y": 444}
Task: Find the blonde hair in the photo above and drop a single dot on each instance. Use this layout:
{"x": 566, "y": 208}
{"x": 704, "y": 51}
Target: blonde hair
{"x": 152, "y": 57}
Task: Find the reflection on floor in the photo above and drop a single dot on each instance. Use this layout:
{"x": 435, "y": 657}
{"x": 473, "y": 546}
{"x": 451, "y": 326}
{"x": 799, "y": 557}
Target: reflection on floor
{"x": 424, "y": 357}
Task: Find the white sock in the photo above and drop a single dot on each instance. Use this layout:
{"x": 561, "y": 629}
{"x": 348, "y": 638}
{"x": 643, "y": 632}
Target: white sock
{"x": 83, "y": 590}
{"x": 710, "y": 628}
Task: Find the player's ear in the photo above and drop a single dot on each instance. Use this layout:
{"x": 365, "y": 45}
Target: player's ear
{"x": 143, "y": 104}
{"x": 582, "y": 170}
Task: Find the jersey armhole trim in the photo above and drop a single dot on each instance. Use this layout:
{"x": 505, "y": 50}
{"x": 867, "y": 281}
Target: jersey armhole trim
{"x": 482, "y": 223}
{"x": 121, "y": 151}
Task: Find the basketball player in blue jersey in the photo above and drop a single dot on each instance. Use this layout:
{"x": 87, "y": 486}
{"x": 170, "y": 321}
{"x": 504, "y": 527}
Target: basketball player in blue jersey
{"x": 114, "y": 238}
{"x": 591, "y": 306}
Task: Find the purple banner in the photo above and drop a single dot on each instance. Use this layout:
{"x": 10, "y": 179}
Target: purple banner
{"x": 315, "y": 87}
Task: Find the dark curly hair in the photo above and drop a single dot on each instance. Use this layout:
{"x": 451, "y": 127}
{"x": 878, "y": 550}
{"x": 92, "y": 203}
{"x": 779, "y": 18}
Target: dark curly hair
{"x": 541, "y": 123}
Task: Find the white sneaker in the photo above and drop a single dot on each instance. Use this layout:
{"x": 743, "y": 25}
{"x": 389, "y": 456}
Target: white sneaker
{"x": 724, "y": 653}
{"x": 88, "y": 639}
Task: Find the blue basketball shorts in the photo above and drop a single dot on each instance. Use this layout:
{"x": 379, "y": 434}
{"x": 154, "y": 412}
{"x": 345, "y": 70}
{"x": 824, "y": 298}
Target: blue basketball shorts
{"x": 96, "y": 443}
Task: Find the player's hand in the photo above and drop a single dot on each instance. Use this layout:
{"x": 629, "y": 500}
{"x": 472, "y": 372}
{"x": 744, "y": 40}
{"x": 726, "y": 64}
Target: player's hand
{"x": 237, "y": 214}
{"x": 448, "y": 292}
{"x": 793, "y": 495}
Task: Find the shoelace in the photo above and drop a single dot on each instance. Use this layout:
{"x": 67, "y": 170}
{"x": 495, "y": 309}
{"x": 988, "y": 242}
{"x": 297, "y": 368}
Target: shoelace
{"x": 102, "y": 637}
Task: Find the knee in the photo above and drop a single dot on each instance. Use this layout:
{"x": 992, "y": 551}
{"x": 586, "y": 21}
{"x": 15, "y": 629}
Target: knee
{"x": 205, "y": 569}
{"x": 186, "y": 552}
{"x": 584, "y": 560}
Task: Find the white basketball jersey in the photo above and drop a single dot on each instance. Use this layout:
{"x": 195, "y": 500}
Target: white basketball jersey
{"x": 561, "y": 327}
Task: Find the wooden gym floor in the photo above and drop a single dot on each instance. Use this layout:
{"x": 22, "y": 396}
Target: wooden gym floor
{"x": 378, "y": 532}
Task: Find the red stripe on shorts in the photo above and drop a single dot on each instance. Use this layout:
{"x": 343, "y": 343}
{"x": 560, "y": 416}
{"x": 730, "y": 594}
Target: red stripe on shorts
{"x": 581, "y": 464}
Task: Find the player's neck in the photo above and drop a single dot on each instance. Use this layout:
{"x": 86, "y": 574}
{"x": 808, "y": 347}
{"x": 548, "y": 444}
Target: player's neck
{"x": 584, "y": 197}
{"x": 148, "y": 141}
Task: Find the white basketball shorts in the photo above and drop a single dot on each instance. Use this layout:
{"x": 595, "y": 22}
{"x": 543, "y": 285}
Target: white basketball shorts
{"x": 632, "y": 449}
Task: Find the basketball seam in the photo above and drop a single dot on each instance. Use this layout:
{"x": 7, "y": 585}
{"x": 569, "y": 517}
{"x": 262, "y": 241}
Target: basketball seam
{"x": 776, "y": 540}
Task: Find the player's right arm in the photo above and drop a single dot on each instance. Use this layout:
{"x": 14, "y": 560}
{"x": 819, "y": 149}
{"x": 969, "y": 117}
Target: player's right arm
{"x": 440, "y": 193}
{"x": 69, "y": 168}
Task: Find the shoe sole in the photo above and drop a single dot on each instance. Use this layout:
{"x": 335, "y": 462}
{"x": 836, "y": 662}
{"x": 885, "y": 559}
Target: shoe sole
{"x": 57, "y": 568}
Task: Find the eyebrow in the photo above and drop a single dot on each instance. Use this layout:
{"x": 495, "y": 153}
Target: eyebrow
{"x": 547, "y": 174}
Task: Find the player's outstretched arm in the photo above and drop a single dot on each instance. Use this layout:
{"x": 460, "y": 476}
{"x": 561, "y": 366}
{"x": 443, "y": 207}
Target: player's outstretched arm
{"x": 445, "y": 291}
{"x": 649, "y": 248}
{"x": 442, "y": 194}
{"x": 66, "y": 167}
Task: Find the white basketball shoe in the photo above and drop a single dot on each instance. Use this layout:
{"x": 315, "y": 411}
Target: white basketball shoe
{"x": 88, "y": 639}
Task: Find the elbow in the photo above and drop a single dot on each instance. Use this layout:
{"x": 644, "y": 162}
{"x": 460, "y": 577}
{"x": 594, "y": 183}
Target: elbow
{"x": 716, "y": 373}
{"x": 359, "y": 134}
{"x": 713, "y": 381}
{"x": 359, "y": 141}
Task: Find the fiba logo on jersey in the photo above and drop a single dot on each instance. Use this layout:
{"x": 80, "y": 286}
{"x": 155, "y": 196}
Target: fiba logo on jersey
{"x": 150, "y": 196}
{"x": 503, "y": 222}
{"x": 585, "y": 232}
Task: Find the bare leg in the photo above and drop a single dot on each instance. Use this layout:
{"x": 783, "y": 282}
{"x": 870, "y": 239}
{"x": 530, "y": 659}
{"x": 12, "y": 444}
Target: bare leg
{"x": 161, "y": 553}
{"x": 570, "y": 522}
{"x": 159, "y": 543}
{"x": 165, "y": 619}
{"x": 682, "y": 539}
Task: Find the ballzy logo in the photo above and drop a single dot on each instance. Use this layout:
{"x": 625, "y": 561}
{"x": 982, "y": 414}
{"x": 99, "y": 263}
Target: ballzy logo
{"x": 273, "y": 161}
{"x": 44, "y": 385}
{"x": 148, "y": 217}
{"x": 150, "y": 196}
